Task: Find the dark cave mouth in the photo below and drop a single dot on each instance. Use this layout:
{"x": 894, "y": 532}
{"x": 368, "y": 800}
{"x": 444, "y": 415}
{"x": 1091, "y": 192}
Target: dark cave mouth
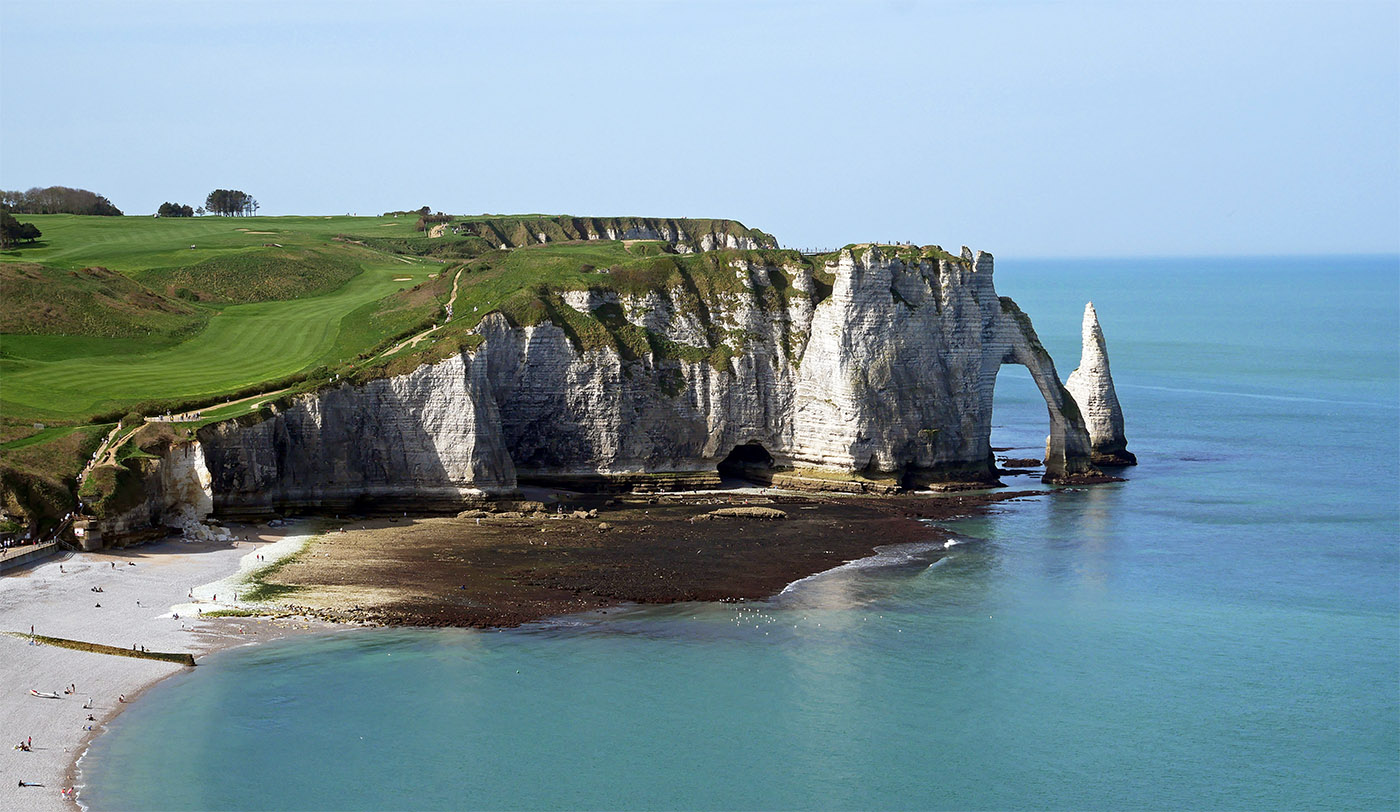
{"x": 749, "y": 461}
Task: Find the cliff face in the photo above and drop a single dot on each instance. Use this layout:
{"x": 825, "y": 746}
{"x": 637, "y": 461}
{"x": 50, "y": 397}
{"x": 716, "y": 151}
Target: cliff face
{"x": 683, "y": 234}
{"x": 427, "y": 438}
{"x": 174, "y": 493}
{"x": 879, "y": 364}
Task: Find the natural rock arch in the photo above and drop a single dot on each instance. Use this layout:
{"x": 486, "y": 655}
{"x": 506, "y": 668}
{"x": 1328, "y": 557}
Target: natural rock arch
{"x": 1068, "y": 453}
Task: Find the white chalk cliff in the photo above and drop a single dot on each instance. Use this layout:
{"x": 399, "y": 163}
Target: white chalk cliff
{"x": 1092, "y": 388}
{"x": 882, "y": 363}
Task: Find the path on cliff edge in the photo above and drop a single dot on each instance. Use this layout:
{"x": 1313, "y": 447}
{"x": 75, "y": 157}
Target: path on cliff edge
{"x": 98, "y": 454}
{"x": 451, "y": 303}
{"x": 184, "y": 417}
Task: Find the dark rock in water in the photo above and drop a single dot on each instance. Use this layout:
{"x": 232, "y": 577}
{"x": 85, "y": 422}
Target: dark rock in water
{"x": 1082, "y": 479}
{"x": 1115, "y": 459}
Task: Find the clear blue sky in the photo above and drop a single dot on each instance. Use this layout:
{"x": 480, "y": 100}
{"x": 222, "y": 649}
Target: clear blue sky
{"x": 1026, "y": 128}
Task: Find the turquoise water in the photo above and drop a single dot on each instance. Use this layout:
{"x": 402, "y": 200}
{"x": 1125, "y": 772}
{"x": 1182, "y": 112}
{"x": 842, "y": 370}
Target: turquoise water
{"x": 1221, "y": 631}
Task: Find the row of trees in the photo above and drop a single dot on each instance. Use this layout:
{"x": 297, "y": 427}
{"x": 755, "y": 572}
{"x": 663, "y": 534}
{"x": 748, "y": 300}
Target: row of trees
{"x": 230, "y": 203}
{"x": 57, "y": 200}
{"x": 63, "y": 200}
{"x": 175, "y": 210}
{"x": 13, "y": 231}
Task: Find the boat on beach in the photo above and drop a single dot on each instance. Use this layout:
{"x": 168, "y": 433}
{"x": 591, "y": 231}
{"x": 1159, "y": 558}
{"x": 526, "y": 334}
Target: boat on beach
{"x": 43, "y": 694}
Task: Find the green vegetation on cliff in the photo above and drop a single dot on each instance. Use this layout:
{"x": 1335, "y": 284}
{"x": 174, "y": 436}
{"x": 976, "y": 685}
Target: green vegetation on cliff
{"x": 112, "y": 317}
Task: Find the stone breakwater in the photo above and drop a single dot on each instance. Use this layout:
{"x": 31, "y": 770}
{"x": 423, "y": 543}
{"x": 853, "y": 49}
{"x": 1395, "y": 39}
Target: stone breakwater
{"x": 874, "y": 373}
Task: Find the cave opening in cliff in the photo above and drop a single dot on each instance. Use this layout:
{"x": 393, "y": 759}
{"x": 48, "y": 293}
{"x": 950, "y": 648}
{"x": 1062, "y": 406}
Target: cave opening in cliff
{"x": 748, "y": 461}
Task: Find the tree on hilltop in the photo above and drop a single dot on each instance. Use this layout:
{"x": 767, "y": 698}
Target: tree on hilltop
{"x": 12, "y": 230}
{"x": 230, "y": 203}
{"x": 174, "y": 210}
{"x": 58, "y": 200}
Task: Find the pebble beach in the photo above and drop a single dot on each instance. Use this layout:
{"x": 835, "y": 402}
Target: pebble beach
{"x": 152, "y": 596}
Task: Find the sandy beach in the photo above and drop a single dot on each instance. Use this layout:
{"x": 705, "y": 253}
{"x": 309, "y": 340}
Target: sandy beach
{"x": 145, "y": 601}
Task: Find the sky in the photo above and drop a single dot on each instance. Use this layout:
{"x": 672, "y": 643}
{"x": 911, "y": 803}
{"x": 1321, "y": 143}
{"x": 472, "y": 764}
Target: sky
{"x": 1032, "y": 129}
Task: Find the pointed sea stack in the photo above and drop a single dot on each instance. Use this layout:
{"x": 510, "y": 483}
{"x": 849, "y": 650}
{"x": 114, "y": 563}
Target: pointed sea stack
{"x": 1092, "y": 387}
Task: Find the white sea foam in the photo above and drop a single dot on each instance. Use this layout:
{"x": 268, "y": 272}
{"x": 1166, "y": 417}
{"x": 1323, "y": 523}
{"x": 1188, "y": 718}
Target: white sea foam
{"x": 888, "y": 556}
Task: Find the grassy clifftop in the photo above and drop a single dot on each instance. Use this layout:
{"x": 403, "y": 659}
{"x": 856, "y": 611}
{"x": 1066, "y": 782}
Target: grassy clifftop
{"x": 109, "y": 316}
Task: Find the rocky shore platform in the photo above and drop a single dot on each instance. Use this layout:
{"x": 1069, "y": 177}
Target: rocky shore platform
{"x": 568, "y": 553}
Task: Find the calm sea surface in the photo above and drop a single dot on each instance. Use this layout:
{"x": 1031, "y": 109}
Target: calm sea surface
{"x": 1223, "y": 630}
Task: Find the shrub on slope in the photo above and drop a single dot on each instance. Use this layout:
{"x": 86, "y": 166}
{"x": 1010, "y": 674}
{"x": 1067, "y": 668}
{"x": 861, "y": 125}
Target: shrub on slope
{"x": 93, "y": 302}
{"x": 258, "y": 275}
{"x": 38, "y": 475}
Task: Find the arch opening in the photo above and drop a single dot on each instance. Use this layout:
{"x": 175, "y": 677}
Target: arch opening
{"x": 750, "y": 462}
{"x": 1019, "y": 423}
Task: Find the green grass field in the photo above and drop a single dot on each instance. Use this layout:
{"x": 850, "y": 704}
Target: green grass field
{"x": 138, "y": 243}
{"x": 106, "y": 316}
{"x": 70, "y": 377}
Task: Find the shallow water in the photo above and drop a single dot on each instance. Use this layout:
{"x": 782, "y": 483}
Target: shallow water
{"x": 1220, "y": 631}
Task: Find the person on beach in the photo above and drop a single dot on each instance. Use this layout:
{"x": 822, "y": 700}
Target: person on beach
{"x": 121, "y": 698}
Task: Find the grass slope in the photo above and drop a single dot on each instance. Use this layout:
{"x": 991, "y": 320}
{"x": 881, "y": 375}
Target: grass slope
{"x": 91, "y": 302}
{"x": 130, "y": 244}
{"x": 242, "y": 345}
{"x": 324, "y": 310}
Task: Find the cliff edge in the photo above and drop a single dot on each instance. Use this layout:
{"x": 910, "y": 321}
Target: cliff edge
{"x": 872, "y": 369}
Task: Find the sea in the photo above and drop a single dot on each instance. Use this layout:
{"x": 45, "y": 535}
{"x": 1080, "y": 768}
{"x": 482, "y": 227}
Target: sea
{"x": 1222, "y": 630}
